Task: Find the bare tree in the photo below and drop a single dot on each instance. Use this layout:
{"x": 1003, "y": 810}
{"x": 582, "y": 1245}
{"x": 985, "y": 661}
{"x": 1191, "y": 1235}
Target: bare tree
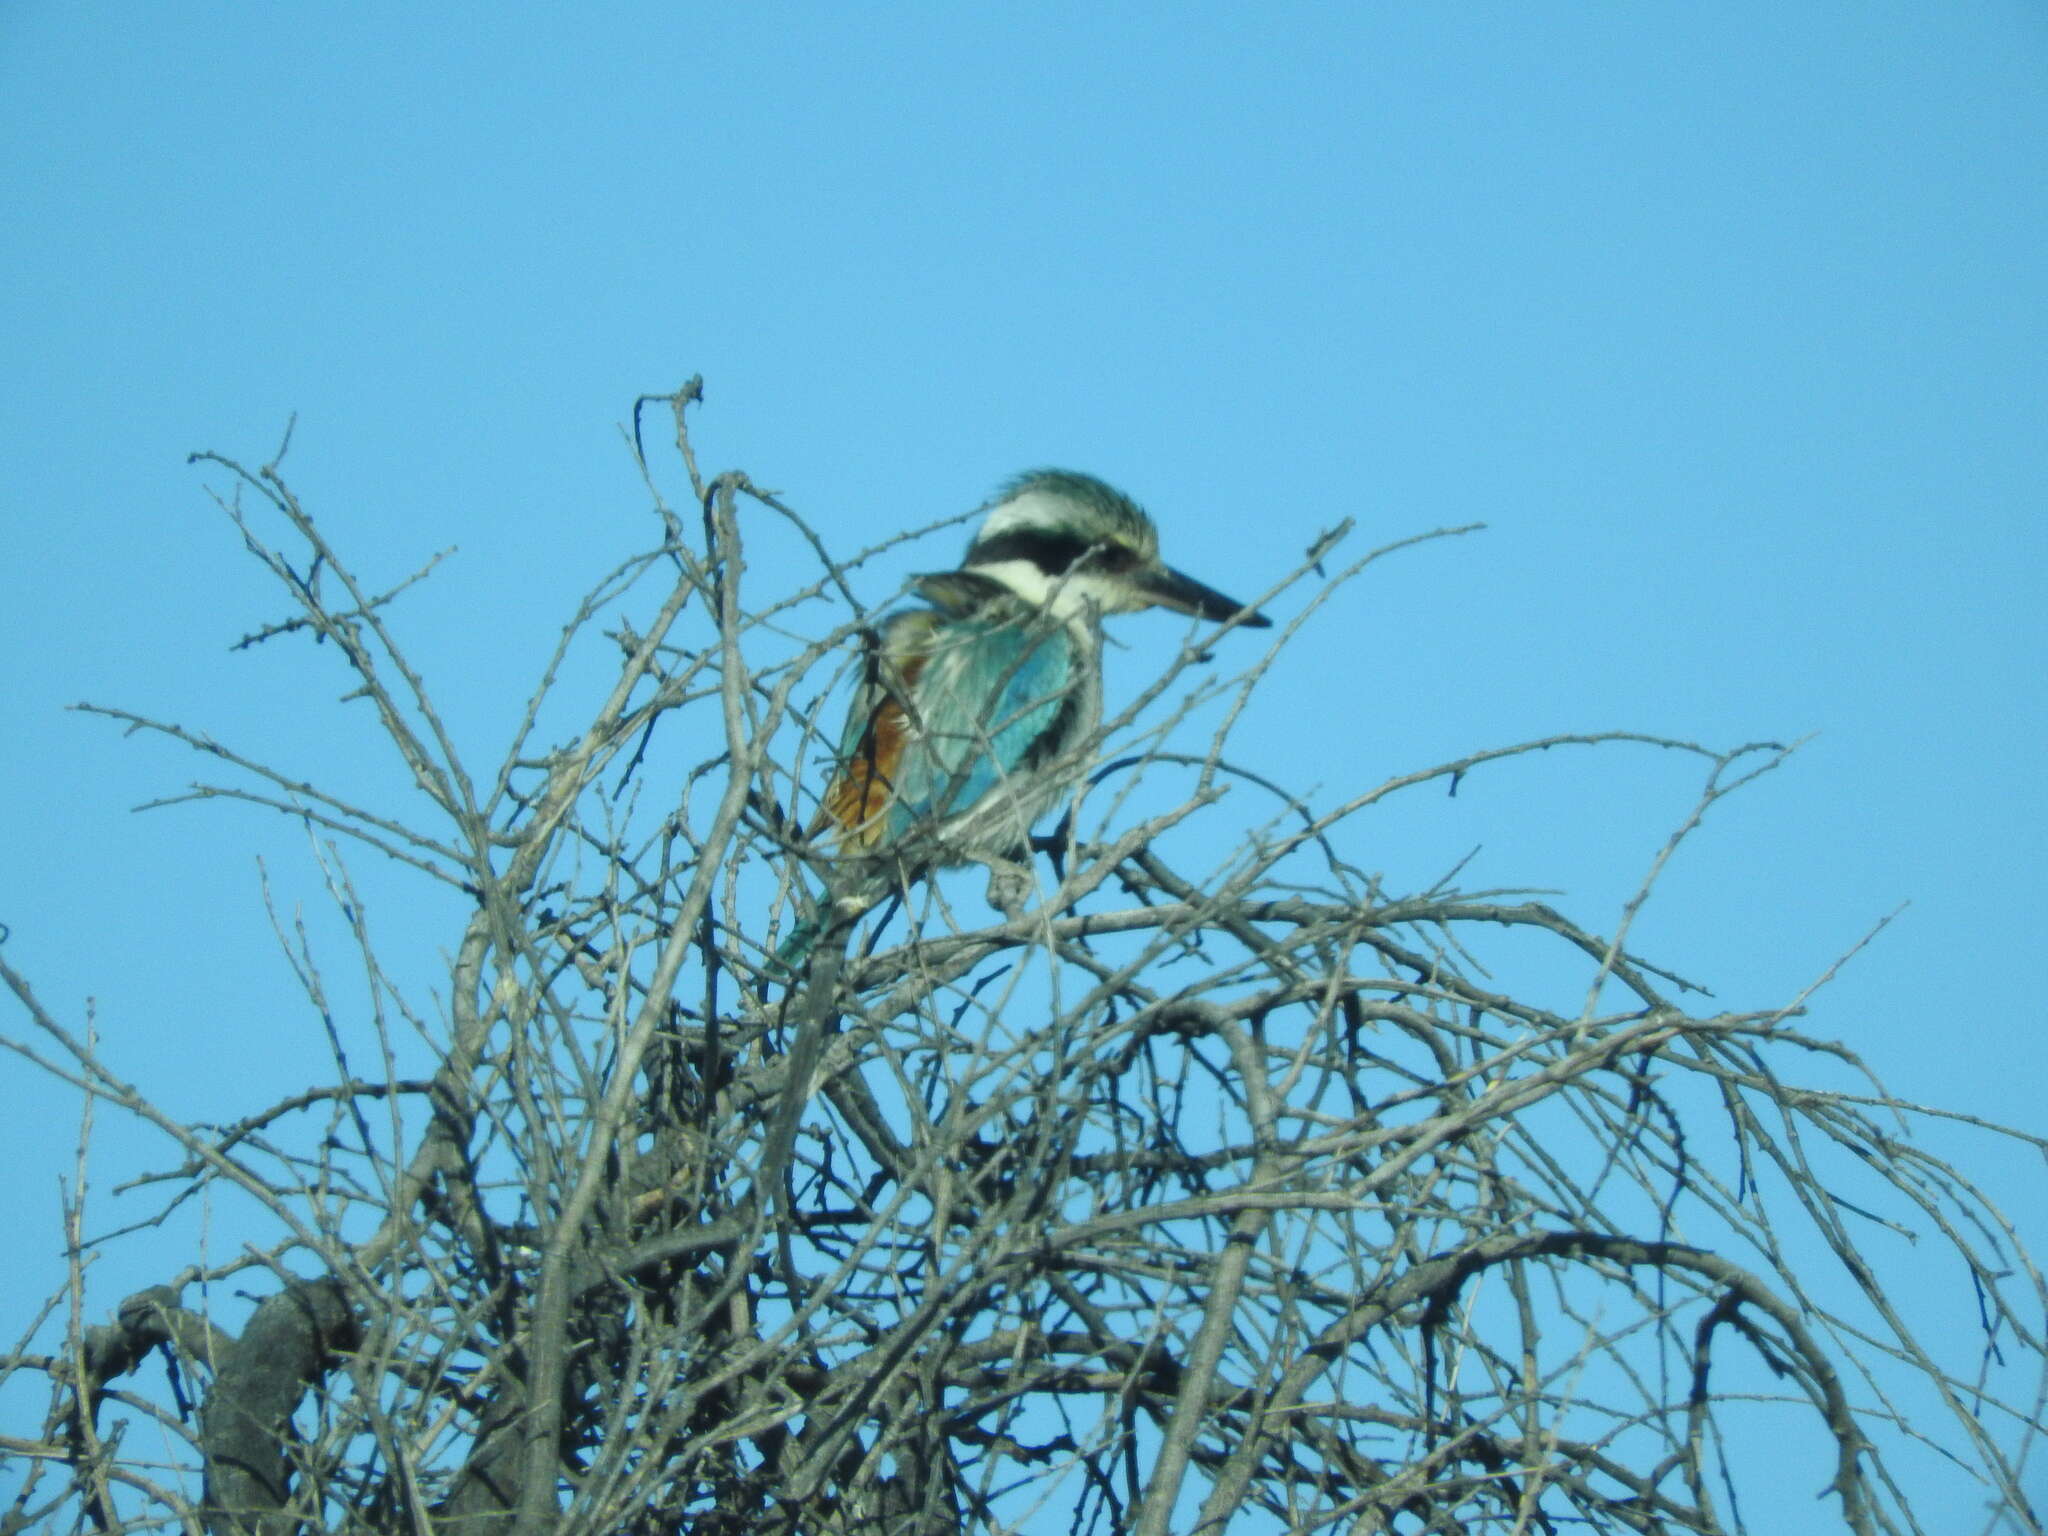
{"x": 1197, "y": 1197}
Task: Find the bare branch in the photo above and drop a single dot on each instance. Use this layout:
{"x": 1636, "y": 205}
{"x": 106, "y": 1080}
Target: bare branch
{"x": 1183, "y": 1191}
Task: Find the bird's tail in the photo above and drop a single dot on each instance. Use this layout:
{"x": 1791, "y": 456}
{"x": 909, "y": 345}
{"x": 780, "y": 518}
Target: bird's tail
{"x": 835, "y": 913}
{"x": 793, "y": 951}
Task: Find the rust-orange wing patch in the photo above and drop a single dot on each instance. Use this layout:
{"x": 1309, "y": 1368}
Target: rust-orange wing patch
{"x": 857, "y": 800}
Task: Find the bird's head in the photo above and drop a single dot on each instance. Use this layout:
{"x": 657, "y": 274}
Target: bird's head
{"x": 1066, "y": 541}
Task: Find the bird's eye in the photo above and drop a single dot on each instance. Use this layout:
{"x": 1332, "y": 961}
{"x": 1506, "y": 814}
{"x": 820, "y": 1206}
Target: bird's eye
{"x": 1110, "y": 557}
{"x": 1064, "y": 553}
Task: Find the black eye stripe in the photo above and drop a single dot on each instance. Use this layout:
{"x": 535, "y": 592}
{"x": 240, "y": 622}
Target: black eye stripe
{"x": 1052, "y": 553}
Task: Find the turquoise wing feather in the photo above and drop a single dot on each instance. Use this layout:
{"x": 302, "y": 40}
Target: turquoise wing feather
{"x": 991, "y": 701}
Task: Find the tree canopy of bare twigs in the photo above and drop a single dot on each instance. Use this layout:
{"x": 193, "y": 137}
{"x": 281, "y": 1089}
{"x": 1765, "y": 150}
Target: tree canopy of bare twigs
{"x": 1207, "y": 1195}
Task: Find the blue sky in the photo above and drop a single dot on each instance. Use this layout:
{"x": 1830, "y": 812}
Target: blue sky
{"x": 1731, "y": 323}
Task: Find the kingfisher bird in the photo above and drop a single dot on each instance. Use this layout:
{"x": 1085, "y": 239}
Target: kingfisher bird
{"x": 973, "y": 712}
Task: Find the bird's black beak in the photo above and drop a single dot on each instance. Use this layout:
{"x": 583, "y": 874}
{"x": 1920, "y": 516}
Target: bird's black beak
{"x": 1170, "y": 589}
